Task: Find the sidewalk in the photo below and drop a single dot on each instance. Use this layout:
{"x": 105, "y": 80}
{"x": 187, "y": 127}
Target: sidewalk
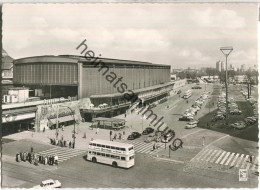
{"x": 80, "y": 142}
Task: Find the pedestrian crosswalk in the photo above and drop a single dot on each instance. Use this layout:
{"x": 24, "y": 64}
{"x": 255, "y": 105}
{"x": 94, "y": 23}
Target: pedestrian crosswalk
{"x": 143, "y": 147}
{"x": 63, "y": 153}
{"x": 226, "y": 158}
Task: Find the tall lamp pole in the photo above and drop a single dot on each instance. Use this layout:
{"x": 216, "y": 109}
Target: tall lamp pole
{"x": 226, "y": 51}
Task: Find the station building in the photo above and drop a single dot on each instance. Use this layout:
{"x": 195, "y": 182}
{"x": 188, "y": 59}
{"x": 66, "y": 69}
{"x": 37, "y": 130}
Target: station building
{"x": 105, "y": 81}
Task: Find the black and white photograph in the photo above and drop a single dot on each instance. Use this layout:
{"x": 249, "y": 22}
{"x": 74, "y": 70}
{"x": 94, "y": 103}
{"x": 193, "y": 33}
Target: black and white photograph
{"x": 129, "y": 95}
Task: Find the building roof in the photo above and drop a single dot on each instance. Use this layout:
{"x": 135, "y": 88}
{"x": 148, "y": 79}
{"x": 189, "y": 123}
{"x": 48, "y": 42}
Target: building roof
{"x": 76, "y": 59}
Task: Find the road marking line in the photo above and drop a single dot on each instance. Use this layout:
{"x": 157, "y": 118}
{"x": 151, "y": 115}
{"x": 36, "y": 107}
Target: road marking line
{"x": 229, "y": 159}
{"x": 216, "y": 141}
{"x": 234, "y": 160}
{"x": 244, "y": 162}
{"x": 206, "y": 155}
{"x": 201, "y": 154}
{"x": 248, "y": 165}
{"x": 51, "y": 149}
{"x": 192, "y": 133}
{"x": 209, "y": 157}
{"x": 240, "y": 159}
{"x": 255, "y": 163}
{"x": 224, "y": 159}
{"x": 141, "y": 146}
{"x": 218, "y": 160}
{"x": 62, "y": 152}
{"x": 216, "y": 156}
{"x": 145, "y": 148}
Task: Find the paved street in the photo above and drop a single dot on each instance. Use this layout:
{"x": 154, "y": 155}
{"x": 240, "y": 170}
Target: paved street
{"x": 214, "y": 164}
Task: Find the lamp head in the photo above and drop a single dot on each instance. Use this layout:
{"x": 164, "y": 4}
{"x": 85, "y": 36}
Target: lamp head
{"x": 226, "y": 50}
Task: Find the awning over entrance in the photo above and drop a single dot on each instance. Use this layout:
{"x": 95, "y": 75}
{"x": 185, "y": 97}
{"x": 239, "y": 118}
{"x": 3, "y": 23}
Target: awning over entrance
{"x": 63, "y": 119}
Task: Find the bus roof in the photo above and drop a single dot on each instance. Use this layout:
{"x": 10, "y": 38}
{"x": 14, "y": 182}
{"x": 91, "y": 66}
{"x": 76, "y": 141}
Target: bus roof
{"x": 111, "y": 143}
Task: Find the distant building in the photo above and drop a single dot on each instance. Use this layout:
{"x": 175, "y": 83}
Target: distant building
{"x": 217, "y": 65}
{"x": 243, "y": 68}
{"x": 222, "y": 66}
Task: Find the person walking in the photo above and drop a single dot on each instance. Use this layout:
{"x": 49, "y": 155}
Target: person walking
{"x": 153, "y": 146}
{"x": 30, "y": 157}
{"x": 56, "y": 159}
{"x": 251, "y": 159}
{"x": 16, "y": 158}
{"x": 120, "y": 136}
{"x": 115, "y": 136}
{"x": 43, "y": 130}
{"x": 45, "y": 160}
{"x": 70, "y": 144}
{"x": 62, "y": 137}
{"x": 21, "y": 156}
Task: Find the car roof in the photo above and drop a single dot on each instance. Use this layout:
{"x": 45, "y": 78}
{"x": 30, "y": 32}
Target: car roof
{"x": 48, "y": 181}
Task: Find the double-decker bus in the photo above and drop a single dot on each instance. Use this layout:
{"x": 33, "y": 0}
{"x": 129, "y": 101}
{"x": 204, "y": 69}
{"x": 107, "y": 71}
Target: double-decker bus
{"x": 113, "y": 153}
{"x": 187, "y": 94}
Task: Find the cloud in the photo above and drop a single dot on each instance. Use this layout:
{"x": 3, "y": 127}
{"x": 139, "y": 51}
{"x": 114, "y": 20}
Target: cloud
{"x": 218, "y": 18}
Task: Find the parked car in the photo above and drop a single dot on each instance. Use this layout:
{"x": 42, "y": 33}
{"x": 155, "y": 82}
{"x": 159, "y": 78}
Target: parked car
{"x": 134, "y": 135}
{"x": 193, "y": 122}
{"x": 50, "y": 183}
{"x": 235, "y": 112}
{"x": 147, "y": 131}
{"x": 190, "y": 126}
{"x": 186, "y": 118}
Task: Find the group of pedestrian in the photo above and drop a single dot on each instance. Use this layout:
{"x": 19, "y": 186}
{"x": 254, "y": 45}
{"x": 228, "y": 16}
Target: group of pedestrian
{"x": 62, "y": 142}
{"x": 119, "y": 136}
{"x": 36, "y": 159}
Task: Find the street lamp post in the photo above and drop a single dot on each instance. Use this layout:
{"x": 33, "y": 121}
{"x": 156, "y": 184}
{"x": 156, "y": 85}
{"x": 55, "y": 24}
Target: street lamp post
{"x": 226, "y": 51}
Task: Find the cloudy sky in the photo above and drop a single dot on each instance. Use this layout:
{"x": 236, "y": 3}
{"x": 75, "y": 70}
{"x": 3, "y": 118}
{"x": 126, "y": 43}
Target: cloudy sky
{"x": 181, "y": 35}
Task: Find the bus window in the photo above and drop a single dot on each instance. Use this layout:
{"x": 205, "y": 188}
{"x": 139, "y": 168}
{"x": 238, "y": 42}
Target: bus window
{"x": 131, "y": 157}
{"x": 94, "y": 144}
{"x": 103, "y": 154}
{"x": 122, "y": 158}
{"x": 98, "y": 153}
{"x": 112, "y": 147}
{"x": 117, "y": 157}
{"x": 112, "y": 156}
{"x": 98, "y": 145}
{"x": 89, "y": 152}
{"x": 94, "y": 153}
{"x": 90, "y": 143}
{"x": 108, "y": 147}
{"x": 103, "y": 146}
{"x": 131, "y": 148}
{"x": 107, "y": 155}
{"x": 117, "y": 148}
{"x": 123, "y": 149}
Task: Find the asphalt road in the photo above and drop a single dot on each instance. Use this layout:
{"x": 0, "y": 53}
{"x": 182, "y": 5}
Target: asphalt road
{"x": 148, "y": 171}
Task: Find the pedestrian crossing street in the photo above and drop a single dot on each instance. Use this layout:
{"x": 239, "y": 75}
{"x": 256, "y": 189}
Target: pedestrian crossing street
{"x": 231, "y": 159}
{"x": 146, "y": 148}
{"x": 63, "y": 153}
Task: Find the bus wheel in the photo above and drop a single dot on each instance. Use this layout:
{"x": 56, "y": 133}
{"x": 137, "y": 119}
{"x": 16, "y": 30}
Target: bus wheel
{"x": 94, "y": 160}
{"x": 114, "y": 164}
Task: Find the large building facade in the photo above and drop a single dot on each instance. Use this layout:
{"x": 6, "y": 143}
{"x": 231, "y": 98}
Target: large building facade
{"x": 104, "y": 81}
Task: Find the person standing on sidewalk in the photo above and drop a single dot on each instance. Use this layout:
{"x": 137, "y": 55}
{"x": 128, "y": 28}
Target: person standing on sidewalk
{"x": 251, "y": 159}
